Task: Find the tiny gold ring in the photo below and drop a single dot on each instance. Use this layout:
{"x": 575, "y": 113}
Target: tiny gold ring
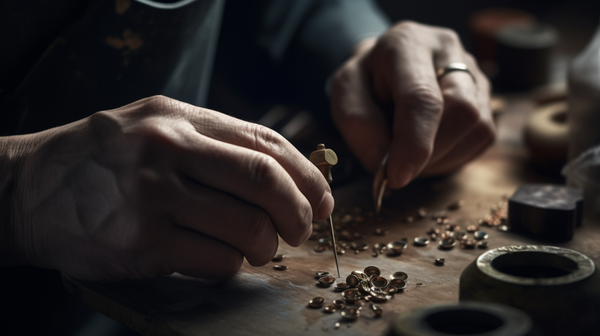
{"x": 455, "y": 66}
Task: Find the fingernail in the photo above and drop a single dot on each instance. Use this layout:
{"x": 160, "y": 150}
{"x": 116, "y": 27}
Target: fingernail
{"x": 326, "y": 206}
{"x": 404, "y": 177}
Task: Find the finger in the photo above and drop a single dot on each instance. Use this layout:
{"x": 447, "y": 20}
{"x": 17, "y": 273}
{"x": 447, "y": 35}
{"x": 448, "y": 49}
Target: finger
{"x": 418, "y": 105}
{"x": 228, "y": 219}
{"x": 305, "y": 175}
{"x": 253, "y": 177}
{"x": 193, "y": 254}
{"x": 470, "y": 147}
{"x": 466, "y": 104}
{"x": 360, "y": 120}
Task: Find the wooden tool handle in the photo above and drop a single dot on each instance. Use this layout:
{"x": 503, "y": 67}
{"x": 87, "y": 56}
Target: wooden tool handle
{"x": 324, "y": 159}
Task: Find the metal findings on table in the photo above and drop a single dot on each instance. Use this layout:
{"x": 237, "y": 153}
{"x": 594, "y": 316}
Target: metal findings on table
{"x": 326, "y": 281}
{"x": 447, "y": 243}
{"x": 350, "y": 314}
{"x": 421, "y": 241}
{"x": 280, "y": 267}
{"x": 316, "y": 302}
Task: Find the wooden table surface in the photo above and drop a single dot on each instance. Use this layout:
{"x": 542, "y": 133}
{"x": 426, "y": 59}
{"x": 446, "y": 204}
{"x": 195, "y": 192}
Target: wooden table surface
{"x": 261, "y": 300}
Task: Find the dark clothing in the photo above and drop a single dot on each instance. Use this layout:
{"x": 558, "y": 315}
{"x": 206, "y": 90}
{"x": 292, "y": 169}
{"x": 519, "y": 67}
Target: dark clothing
{"x": 106, "y": 54}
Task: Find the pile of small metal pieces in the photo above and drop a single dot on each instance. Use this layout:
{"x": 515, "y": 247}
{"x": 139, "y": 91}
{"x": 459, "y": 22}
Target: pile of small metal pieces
{"x": 360, "y": 288}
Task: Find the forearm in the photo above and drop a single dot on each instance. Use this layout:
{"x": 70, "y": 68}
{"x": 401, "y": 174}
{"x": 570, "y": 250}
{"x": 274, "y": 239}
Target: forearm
{"x": 12, "y": 150}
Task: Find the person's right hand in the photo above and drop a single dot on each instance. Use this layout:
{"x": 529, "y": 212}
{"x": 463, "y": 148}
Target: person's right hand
{"x": 157, "y": 187}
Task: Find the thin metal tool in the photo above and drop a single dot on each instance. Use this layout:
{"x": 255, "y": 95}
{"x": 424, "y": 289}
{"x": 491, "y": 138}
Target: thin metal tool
{"x": 380, "y": 183}
{"x": 324, "y": 159}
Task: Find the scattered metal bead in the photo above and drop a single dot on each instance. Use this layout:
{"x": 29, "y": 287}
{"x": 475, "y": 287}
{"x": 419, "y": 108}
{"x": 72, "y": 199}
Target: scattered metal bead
{"x": 447, "y": 234}
{"x": 397, "y": 284}
{"x": 433, "y": 236}
{"x": 460, "y": 235}
{"x": 480, "y": 235}
{"x": 325, "y": 241}
{"x": 278, "y": 258}
{"x": 433, "y": 231}
{"x": 391, "y": 290}
{"x": 337, "y": 325}
{"x": 364, "y": 287}
{"x": 330, "y": 309}
{"x": 372, "y": 271}
{"x": 350, "y": 314}
{"x": 468, "y": 244}
{"x": 280, "y": 267}
{"x": 356, "y": 251}
{"x": 320, "y": 274}
{"x": 361, "y": 275}
{"x": 440, "y": 261}
{"x": 340, "y": 250}
{"x": 359, "y": 246}
{"x": 316, "y": 302}
{"x": 420, "y": 241}
{"x": 397, "y": 247}
{"x": 380, "y": 232}
{"x": 319, "y": 248}
{"x": 447, "y": 243}
{"x": 377, "y": 310}
{"x": 341, "y": 304}
{"x": 422, "y": 212}
{"x": 341, "y": 286}
{"x": 399, "y": 275}
{"x": 482, "y": 244}
{"x": 456, "y": 205}
{"x": 503, "y": 228}
{"x": 326, "y": 281}
{"x": 419, "y": 284}
{"x": 472, "y": 228}
{"x": 350, "y": 295}
{"x": 379, "y": 282}
{"x": 378, "y": 298}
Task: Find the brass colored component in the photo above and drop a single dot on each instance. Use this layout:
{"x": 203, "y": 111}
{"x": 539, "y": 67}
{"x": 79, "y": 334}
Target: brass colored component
{"x": 320, "y": 274}
{"x": 326, "y": 281}
{"x": 341, "y": 304}
{"x": 280, "y": 267}
{"x": 361, "y": 275}
{"x": 397, "y": 283}
{"x": 341, "y": 286}
{"x": 352, "y": 280}
{"x": 397, "y": 247}
{"x": 379, "y": 282}
{"x": 372, "y": 270}
{"x": 324, "y": 159}
{"x": 468, "y": 244}
{"x": 377, "y": 310}
{"x": 316, "y": 302}
{"x": 447, "y": 243}
{"x": 359, "y": 246}
{"x": 399, "y": 275}
{"x": 377, "y": 297}
{"x": 330, "y": 309}
{"x": 319, "y": 248}
{"x": 420, "y": 241}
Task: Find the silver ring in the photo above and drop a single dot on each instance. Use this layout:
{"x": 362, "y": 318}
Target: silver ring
{"x": 456, "y": 66}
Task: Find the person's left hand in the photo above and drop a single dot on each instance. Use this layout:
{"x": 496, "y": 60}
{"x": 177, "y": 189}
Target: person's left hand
{"x": 436, "y": 125}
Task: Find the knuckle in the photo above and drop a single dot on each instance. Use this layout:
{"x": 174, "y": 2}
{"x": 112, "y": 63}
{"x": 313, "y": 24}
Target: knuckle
{"x": 425, "y": 98}
{"x": 263, "y": 171}
{"x": 265, "y": 139}
{"x": 448, "y": 37}
{"x": 256, "y": 227}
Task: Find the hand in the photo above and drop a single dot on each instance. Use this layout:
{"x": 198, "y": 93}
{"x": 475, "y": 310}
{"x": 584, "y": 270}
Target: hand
{"x": 436, "y": 126}
{"x": 157, "y": 187}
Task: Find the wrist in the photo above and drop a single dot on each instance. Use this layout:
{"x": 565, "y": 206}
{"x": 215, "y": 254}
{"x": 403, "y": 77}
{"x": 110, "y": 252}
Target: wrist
{"x": 12, "y": 152}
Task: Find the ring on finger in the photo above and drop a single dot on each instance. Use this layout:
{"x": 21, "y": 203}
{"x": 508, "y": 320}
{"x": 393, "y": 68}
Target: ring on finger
{"x": 454, "y": 66}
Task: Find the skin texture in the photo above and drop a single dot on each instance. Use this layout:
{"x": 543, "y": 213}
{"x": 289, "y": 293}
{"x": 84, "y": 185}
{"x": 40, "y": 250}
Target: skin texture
{"x": 157, "y": 187}
{"x": 160, "y": 186}
{"x": 387, "y": 97}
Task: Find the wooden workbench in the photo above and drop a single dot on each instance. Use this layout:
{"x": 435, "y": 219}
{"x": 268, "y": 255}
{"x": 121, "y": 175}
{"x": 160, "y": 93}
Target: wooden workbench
{"x": 261, "y": 300}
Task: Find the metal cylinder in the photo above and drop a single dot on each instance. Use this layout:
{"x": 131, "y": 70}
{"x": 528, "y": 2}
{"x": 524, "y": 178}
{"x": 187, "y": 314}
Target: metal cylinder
{"x": 557, "y": 287}
{"x": 465, "y": 318}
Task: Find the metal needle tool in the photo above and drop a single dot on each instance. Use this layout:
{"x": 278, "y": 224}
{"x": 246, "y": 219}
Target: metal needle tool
{"x": 380, "y": 183}
{"x": 324, "y": 159}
